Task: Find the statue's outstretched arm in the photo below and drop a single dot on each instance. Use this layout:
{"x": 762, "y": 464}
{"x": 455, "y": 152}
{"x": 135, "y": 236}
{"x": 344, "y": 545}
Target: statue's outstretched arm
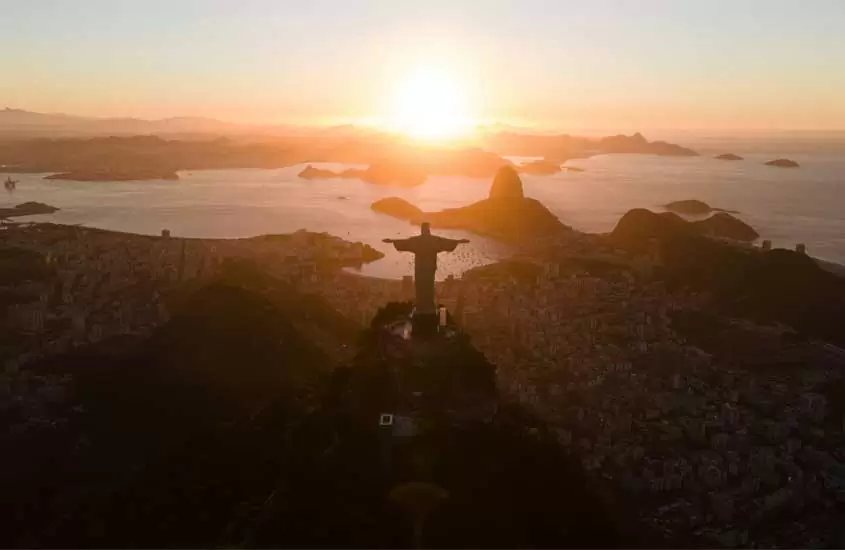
{"x": 402, "y": 245}
{"x": 448, "y": 245}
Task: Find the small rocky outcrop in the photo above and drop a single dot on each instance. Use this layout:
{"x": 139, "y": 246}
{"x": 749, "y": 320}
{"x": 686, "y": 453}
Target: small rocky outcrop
{"x": 783, "y": 163}
{"x": 506, "y": 185}
{"x": 573, "y": 169}
{"x": 728, "y": 156}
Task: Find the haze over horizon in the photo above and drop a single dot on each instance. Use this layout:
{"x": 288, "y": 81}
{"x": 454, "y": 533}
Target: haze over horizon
{"x": 433, "y": 69}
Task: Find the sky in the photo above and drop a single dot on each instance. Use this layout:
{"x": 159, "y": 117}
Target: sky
{"x": 624, "y": 65}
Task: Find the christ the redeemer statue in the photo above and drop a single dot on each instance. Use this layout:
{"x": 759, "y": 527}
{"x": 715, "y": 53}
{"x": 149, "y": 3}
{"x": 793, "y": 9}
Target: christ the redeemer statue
{"x": 425, "y": 248}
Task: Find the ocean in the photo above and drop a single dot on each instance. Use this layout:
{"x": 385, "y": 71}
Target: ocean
{"x": 787, "y": 206}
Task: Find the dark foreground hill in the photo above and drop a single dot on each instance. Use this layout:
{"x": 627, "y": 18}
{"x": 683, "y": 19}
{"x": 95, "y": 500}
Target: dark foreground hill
{"x": 777, "y": 285}
{"x": 232, "y": 427}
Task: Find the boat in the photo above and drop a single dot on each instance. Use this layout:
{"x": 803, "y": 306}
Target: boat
{"x": 11, "y": 184}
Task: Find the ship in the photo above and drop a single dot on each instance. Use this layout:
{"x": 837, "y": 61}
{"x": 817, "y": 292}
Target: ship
{"x": 10, "y": 184}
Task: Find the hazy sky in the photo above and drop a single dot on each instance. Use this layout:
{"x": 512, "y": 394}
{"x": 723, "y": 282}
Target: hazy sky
{"x": 634, "y": 64}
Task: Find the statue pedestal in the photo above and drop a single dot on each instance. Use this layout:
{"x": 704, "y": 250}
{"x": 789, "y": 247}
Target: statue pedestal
{"x": 424, "y": 325}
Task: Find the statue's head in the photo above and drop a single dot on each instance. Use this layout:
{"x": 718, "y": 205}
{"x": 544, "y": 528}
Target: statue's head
{"x": 425, "y": 228}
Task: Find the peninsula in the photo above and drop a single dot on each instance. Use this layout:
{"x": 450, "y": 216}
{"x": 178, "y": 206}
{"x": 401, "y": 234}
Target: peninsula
{"x": 27, "y": 209}
{"x": 134, "y": 174}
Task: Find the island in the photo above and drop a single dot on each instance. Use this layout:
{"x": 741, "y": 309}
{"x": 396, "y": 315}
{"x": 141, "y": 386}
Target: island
{"x": 398, "y": 208}
{"x": 783, "y": 163}
{"x": 377, "y": 174}
{"x": 573, "y": 169}
{"x": 728, "y": 156}
{"x": 311, "y": 173}
{"x": 27, "y": 209}
{"x": 539, "y": 168}
{"x": 111, "y": 174}
{"x": 693, "y": 207}
{"x": 506, "y": 215}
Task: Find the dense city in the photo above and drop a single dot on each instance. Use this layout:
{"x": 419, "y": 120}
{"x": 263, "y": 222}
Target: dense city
{"x": 710, "y": 429}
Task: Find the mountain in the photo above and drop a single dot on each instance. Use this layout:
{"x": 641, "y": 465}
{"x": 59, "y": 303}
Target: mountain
{"x": 231, "y": 427}
{"x": 562, "y": 147}
{"x": 20, "y": 123}
{"x": 774, "y": 286}
{"x": 506, "y": 215}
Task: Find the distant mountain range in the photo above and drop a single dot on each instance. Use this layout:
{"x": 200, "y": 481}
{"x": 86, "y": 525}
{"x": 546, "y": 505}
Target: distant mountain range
{"x": 21, "y": 123}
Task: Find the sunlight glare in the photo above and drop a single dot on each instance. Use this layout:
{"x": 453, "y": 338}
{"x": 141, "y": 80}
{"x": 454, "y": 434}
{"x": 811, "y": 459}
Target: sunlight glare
{"x": 432, "y": 105}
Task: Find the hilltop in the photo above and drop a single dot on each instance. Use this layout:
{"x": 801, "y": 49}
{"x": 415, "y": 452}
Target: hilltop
{"x": 231, "y": 426}
{"x": 507, "y": 214}
{"x": 802, "y": 295}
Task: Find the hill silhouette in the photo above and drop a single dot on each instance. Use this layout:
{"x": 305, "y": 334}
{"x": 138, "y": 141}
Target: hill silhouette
{"x": 506, "y": 215}
{"x": 230, "y": 426}
{"x": 776, "y": 285}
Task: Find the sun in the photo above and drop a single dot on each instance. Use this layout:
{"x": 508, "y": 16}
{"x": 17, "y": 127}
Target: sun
{"x": 431, "y": 104}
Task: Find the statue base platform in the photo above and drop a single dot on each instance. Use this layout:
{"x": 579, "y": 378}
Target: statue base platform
{"x": 424, "y": 325}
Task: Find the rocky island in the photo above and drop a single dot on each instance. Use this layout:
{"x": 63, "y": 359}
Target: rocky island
{"x": 539, "y": 168}
{"x": 27, "y": 209}
{"x": 111, "y": 174}
{"x": 311, "y": 173}
{"x": 783, "y": 163}
{"x": 506, "y": 215}
{"x": 693, "y": 207}
{"x": 728, "y": 156}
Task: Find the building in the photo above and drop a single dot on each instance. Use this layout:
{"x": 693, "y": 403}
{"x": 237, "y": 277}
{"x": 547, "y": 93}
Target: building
{"x": 801, "y": 248}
